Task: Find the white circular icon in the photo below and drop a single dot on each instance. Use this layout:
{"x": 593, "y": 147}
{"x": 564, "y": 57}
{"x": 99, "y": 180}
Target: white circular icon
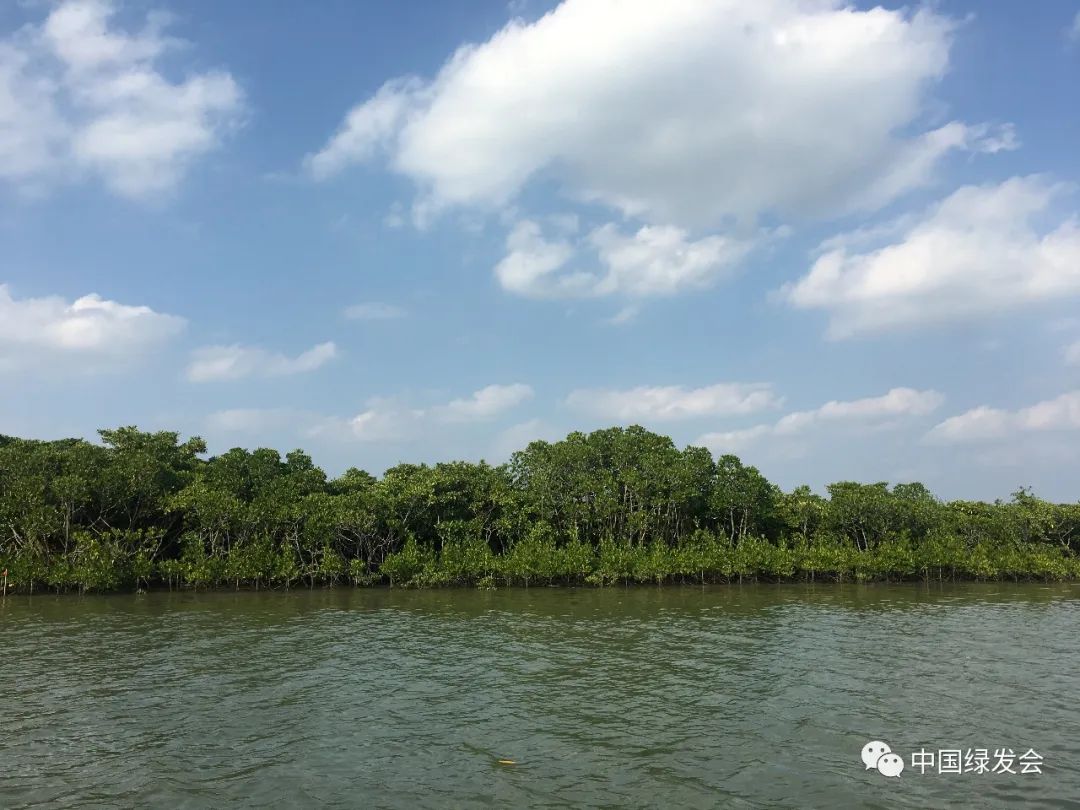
{"x": 890, "y": 764}
{"x": 872, "y": 752}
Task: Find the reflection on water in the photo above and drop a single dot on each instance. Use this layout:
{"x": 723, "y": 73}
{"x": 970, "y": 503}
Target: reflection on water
{"x": 756, "y": 696}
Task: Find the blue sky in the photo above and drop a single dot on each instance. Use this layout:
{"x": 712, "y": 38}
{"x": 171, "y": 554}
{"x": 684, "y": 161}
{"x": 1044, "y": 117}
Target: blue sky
{"x": 840, "y": 241}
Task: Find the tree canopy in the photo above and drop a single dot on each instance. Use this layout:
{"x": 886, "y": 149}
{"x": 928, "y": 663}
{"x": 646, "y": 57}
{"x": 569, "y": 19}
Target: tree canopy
{"x": 618, "y": 505}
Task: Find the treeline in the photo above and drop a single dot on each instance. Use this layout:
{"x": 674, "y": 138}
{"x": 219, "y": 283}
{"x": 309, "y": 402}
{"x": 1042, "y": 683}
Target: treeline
{"x": 611, "y": 507}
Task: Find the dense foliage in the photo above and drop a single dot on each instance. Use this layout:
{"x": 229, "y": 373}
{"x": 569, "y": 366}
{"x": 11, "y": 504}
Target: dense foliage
{"x": 614, "y": 506}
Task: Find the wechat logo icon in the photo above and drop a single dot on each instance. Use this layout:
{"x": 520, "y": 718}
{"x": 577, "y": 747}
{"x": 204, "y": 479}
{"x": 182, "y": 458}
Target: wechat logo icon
{"x": 878, "y": 756}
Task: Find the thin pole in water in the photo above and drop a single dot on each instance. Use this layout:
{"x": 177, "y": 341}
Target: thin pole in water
{"x": 5, "y": 583}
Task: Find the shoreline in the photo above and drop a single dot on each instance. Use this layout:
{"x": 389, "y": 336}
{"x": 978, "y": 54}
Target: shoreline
{"x": 570, "y": 585}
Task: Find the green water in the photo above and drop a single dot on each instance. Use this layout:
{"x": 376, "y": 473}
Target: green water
{"x": 758, "y": 696}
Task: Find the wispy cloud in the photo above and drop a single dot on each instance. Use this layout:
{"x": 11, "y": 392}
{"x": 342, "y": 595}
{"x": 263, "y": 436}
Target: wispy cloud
{"x": 674, "y": 402}
{"x": 885, "y": 410}
{"x": 486, "y": 403}
{"x": 79, "y": 96}
{"x": 986, "y": 423}
{"x": 214, "y": 363}
{"x": 387, "y": 419}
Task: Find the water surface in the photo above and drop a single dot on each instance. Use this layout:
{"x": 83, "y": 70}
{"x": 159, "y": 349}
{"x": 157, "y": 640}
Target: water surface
{"x": 753, "y": 696}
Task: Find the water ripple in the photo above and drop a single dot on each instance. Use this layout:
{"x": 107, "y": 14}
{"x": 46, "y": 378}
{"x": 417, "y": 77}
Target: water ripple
{"x": 738, "y": 696}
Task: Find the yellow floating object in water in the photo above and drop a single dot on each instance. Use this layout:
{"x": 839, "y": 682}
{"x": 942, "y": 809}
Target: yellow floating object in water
{"x": 507, "y": 762}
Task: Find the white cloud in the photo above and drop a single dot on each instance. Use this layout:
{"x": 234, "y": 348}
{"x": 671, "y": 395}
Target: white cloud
{"x": 234, "y": 362}
{"x": 367, "y": 128}
{"x": 883, "y": 411}
{"x": 897, "y": 402}
{"x": 661, "y": 260}
{"x": 1072, "y": 354}
{"x": 374, "y": 311}
{"x": 79, "y": 96}
{"x": 686, "y": 113}
{"x": 984, "y": 249}
{"x": 387, "y": 419}
{"x": 32, "y": 131}
{"x": 532, "y": 265}
{"x": 656, "y": 260}
{"x": 673, "y": 402}
{"x": 486, "y": 403}
{"x": 1074, "y": 29}
{"x": 915, "y": 163}
{"x": 626, "y": 315}
{"x": 985, "y": 423}
{"x": 978, "y": 423}
{"x": 91, "y": 333}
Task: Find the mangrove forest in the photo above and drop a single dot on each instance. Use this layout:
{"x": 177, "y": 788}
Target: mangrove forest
{"x": 612, "y": 507}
